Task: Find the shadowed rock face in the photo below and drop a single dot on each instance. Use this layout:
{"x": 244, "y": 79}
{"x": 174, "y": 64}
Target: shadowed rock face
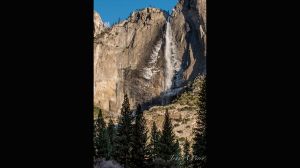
{"x": 130, "y": 57}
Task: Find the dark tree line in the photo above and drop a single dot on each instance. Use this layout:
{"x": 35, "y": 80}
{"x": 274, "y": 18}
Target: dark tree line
{"x": 200, "y": 145}
{"x": 128, "y": 143}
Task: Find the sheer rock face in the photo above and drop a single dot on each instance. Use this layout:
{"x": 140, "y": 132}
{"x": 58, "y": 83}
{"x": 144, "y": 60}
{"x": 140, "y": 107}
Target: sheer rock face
{"x": 189, "y": 26}
{"x": 129, "y": 57}
{"x": 98, "y": 24}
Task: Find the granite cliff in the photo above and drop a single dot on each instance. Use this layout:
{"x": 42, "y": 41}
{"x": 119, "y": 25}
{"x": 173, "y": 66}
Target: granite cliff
{"x": 151, "y": 56}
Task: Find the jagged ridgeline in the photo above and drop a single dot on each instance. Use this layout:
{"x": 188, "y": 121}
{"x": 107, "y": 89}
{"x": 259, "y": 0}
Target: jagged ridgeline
{"x": 151, "y": 56}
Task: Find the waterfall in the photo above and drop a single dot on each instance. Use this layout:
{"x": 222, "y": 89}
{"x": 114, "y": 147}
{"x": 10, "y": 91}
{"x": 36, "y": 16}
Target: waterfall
{"x": 172, "y": 71}
{"x": 151, "y": 69}
{"x": 172, "y": 65}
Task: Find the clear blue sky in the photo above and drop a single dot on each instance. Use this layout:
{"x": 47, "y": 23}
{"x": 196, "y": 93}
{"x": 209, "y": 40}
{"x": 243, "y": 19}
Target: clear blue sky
{"x": 111, "y": 10}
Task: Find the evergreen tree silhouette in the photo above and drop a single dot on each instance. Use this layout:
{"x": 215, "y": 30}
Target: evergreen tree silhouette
{"x": 100, "y": 137}
{"x": 154, "y": 142}
{"x": 168, "y": 147}
{"x": 139, "y": 149}
{"x": 200, "y": 145}
{"x": 186, "y": 154}
{"x": 123, "y": 140}
{"x": 177, "y": 155}
{"x": 111, "y": 131}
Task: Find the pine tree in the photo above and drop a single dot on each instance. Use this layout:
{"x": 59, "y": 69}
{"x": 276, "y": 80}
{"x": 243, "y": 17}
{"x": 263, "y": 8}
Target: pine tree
{"x": 186, "y": 155}
{"x": 168, "y": 148}
{"x": 100, "y": 137}
{"x": 123, "y": 139}
{"x": 177, "y": 155}
{"x": 154, "y": 142}
{"x": 111, "y": 131}
{"x": 139, "y": 148}
{"x": 200, "y": 145}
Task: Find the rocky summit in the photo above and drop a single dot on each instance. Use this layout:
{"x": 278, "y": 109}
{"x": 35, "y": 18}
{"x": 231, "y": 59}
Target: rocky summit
{"x": 151, "y": 56}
